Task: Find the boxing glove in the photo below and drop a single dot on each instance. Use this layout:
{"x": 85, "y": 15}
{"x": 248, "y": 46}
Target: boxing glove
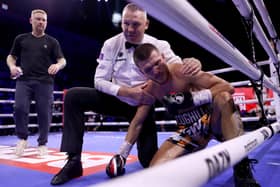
{"x": 116, "y": 166}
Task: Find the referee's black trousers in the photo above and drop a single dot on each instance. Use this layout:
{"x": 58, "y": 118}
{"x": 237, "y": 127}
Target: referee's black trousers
{"x": 80, "y": 99}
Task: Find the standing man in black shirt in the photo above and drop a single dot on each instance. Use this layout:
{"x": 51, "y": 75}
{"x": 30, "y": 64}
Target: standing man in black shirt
{"x": 34, "y": 59}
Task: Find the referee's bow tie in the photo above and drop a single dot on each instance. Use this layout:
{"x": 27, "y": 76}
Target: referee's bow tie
{"x": 129, "y": 45}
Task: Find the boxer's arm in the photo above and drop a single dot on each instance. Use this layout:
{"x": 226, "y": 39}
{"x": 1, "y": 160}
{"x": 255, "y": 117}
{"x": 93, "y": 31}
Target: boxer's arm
{"x": 134, "y": 130}
{"x": 136, "y": 123}
{"x": 116, "y": 166}
{"x": 206, "y": 84}
{"x": 215, "y": 84}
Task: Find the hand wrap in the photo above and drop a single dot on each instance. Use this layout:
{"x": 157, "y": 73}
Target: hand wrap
{"x": 201, "y": 97}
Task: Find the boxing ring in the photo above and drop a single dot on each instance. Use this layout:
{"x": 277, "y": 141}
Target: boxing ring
{"x": 206, "y": 164}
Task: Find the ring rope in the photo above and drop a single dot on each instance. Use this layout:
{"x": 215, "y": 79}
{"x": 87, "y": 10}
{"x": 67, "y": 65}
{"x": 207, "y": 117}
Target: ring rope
{"x": 267, "y": 22}
{"x": 230, "y": 69}
{"x": 246, "y": 11}
{"x": 186, "y": 20}
{"x": 204, "y": 165}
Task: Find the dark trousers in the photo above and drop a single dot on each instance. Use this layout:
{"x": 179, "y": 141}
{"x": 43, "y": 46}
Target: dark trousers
{"x": 78, "y": 100}
{"x": 42, "y": 93}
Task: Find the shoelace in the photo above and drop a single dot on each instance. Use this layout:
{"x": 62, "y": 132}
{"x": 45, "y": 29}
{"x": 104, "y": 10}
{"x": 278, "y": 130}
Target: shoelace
{"x": 252, "y": 163}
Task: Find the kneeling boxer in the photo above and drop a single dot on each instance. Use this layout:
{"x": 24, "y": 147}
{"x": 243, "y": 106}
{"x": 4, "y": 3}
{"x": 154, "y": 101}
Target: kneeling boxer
{"x": 201, "y": 104}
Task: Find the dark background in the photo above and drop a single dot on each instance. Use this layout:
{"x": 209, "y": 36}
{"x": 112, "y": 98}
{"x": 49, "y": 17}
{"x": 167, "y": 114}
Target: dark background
{"x": 81, "y": 26}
